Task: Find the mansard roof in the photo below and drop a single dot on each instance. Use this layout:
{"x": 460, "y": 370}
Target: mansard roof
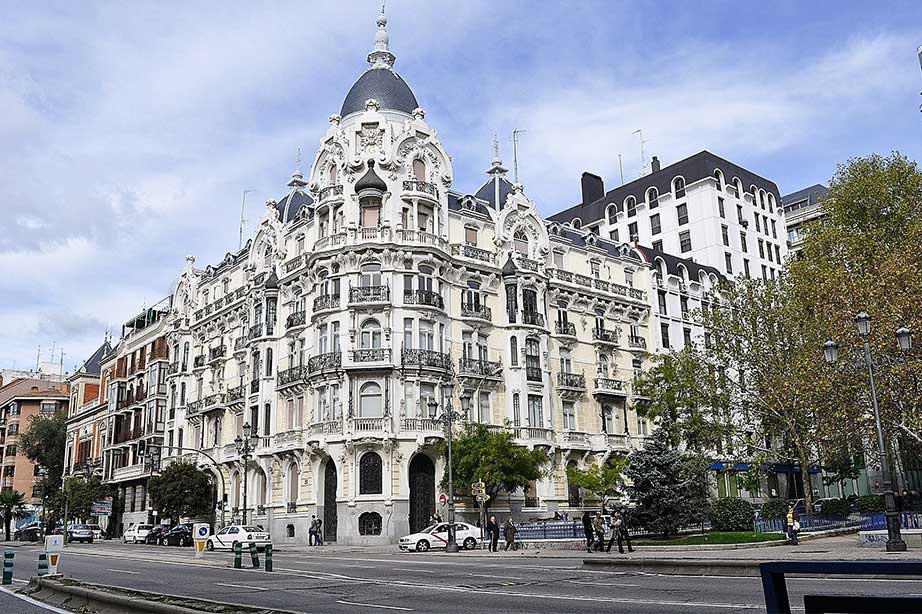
{"x": 673, "y": 263}
{"x": 385, "y": 86}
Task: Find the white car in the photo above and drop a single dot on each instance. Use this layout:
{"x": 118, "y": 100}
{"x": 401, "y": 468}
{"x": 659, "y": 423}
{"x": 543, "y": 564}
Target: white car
{"x": 238, "y": 534}
{"x": 436, "y": 536}
{"x": 136, "y": 533}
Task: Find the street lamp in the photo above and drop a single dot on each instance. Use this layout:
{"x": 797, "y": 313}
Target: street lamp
{"x": 447, "y": 419}
{"x": 245, "y": 450}
{"x": 862, "y": 321}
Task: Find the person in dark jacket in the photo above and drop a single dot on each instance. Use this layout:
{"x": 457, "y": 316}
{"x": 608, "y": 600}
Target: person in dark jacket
{"x": 493, "y": 533}
{"x": 587, "y": 529}
{"x": 509, "y": 531}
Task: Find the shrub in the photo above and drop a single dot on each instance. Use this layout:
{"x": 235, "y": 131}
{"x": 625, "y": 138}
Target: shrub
{"x": 868, "y": 504}
{"x": 732, "y": 514}
{"x": 774, "y": 508}
{"x": 836, "y": 507}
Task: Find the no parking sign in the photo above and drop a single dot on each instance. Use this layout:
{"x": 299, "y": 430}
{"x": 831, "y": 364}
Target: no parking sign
{"x": 201, "y": 531}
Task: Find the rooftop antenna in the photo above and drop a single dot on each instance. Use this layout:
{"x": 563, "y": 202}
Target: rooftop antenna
{"x": 38, "y": 357}
{"x": 515, "y": 153}
{"x": 643, "y": 155}
{"x": 242, "y": 219}
{"x": 621, "y": 168}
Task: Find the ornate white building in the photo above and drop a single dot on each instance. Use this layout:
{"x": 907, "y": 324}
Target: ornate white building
{"x": 371, "y": 290}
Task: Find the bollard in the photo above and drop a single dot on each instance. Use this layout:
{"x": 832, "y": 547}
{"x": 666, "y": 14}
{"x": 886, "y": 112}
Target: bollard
{"x": 253, "y": 556}
{"x": 268, "y": 557}
{"x": 42, "y": 563}
{"x": 237, "y": 551}
{"x": 8, "y": 566}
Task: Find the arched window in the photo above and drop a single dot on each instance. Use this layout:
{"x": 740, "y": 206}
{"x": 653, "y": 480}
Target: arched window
{"x": 235, "y": 490}
{"x": 612, "y": 214}
{"x": 370, "y": 400}
{"x": 520, "y": 241}
{"x": 653, "y": 198}
{"x": 425, "y": 277}
{"x": 720, "y": 179}
{"x": 370, "y": 474}
{"x": 514, "y": 351}
{"x": 259, "y": 488}
{"x": 516, "y": 410}
{"x": 334, "y": 174}
{"x": 630, "y": 204}
{"x": 185, "y": 356}
{"x": 371, "y": 275}
{"x": 771, "y": 203}
{"x": 370, "y": 337}
{"x": 419, "y": 170}
{"x": 678, "y": 187}
{"x": 602, "y": 365}
{"x": 293, "y": 475}
{"x": 267, "y": 257}
{"x": 370, "y": 523}
{"x": 577, "y": 223}
{"x": 182, "y": 394}
{"x": 608, "y": 419}
{"x": 566, "y": 363}
{"x": 739, "y": 187}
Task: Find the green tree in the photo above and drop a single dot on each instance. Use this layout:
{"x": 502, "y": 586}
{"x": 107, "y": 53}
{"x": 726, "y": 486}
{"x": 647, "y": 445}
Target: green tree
{"x": 480, "y": 454}
{"x": 12, "y": 504}
{"x": 82, "y": 493}
{"x": 43, "y": 442}
{"x": 181, "y": 490}
{"x": 603, "y": 481}
{"x": 668, "y": 486}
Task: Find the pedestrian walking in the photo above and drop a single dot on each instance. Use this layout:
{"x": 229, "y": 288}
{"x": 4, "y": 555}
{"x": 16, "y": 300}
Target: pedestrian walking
{"x": 624, "y": 535}
{"x": 599, "y": 529}
{"x": 509, "y": 531}
{"x": 793, "y": 525}
{"x": 493, "y": 532}
{"x": 312, "y": 532}
{"x": 587, "y": 529}
{"x": 319, "y": 532}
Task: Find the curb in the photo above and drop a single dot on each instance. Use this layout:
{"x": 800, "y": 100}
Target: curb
{"x": 681, "y": 567}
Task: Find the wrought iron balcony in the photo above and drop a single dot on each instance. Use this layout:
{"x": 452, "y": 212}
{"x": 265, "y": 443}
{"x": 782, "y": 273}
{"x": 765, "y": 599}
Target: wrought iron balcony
{"x": 326, "y": 301}
{"x": 173, "y": 369}
{"x": 423, "y": 187}
{"x": 324, "y": 362}
{"x": 236, "y": 394}
{"x": 533, "y": 374}
{"x": 195, "y": 407}
{"x": 571, "y": 380}
{"x": 295, "y": 319}
{"x": 291, "y": 375}
{"x": 369, "y": 294}
{"x": 371, "y": 355}
{"x": 428, "y": 298}
{"x": 216, "y": 352}
{"x": 294, "y": 263}
{"x": 474, "y": 253}
{"x": 565, "y": 328}
{"x": 603, "y": 335}
{"x": 473, "y": 310}
{"x": 198, "y": 362}
{"x": 329, "y": 192}
{"x": 255, "y": 331}
{"x": 607, "y": 383}
{"x": 239, "y": 343}
{"x": 637, "y": 342}
{"x": 425, "y": 358}
{"x": 480, "y": 367}
{"x": 533, "y": 318}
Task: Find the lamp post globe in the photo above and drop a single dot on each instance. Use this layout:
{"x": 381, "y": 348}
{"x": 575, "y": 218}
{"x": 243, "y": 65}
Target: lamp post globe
{"x": 831, "y": 351}
{"x": 904, "y": 338}
{"x": 863, "y": 322}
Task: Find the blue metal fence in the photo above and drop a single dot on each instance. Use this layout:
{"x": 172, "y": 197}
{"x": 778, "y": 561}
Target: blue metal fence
{"x": 878, "y": 522}
{"x": 810, "y": 523}
{"x": 563, "y": 529}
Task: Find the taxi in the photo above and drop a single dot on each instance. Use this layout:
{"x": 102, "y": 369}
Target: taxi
{"x": 238, "y": 534}
{"x": 436, "y": 536}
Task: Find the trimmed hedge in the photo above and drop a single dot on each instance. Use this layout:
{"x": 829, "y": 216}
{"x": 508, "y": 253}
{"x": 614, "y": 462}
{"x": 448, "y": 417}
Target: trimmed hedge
{"x": 836, "y": 507}
{"x": 775, "y": 508}
{"x": 732, "y": 514}
{"x": 868, "y": 504}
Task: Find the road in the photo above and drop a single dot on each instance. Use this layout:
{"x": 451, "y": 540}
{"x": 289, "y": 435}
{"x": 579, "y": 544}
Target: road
{"x": 435, "y": 582}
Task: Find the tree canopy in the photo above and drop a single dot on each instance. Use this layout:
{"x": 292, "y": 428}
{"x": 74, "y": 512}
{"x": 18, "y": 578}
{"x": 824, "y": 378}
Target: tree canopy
{"x": 43, "y": 442}
{"x": 603, "y": 481}
{"x": 12, "y": 504}
{"x": 81, "y": 495}
{"x": 181, "y": 490}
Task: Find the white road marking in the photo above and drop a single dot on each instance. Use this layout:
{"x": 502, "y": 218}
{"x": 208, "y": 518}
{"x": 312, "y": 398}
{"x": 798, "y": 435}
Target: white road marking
{"x": 134, "y": 573}
{"x": 480, "y": 575}
{"x": 360, "y": 566}
{"x": 596, "y": 583}
{"x": 413, "y": 570}
{"x": 34, "y": 602}
{"x": 255, "y": 588}
{"x": 374, "y": 605}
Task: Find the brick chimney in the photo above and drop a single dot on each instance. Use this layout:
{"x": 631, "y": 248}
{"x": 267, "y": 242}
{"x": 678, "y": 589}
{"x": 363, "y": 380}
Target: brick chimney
{"x": 654, "y": 164}
{"x": 593, "y": 188}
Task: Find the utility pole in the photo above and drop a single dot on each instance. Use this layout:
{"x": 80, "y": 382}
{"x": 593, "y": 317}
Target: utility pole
{"x": 242, "y": 219}
{"x": 515, "y": 153}
{"x": 621, "y": 168}
{"x": 643, "y": 155}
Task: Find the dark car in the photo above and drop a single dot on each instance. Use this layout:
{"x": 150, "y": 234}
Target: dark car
{"x": 29, "y": 533}
{"x": 79, "y": 533}
{"x": 180, "y": 535}
{"x": 156, "y": 535}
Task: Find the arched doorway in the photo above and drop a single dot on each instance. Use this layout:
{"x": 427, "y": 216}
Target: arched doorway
{"x": 329, "y": 501}
{"x": 422, "y": 492}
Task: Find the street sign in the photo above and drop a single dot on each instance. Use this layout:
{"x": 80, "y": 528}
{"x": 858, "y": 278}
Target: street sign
{"x": 483, "y": 498}
{"x": 54, "y": 543}
{"x": 201, "y": 531}
{"x": 102, "y": 508}
{"x": 443, "y": 499}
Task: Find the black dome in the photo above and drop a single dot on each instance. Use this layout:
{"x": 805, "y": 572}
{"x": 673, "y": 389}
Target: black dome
{"x": 370, "y": 180}
{"x": 385, "y": 86}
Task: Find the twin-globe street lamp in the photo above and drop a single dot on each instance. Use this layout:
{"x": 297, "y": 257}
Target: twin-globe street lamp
{"x": 245, "y": 449}
{"x": 447, "y": 418}
{"x": 895, "y": 541}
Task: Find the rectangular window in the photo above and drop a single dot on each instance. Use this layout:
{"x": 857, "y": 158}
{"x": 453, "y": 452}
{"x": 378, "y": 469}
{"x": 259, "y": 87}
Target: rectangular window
{"x": 756, "y": 216}
{"x": 613, "y": 235}
{"x": 569, "y": 416}
{"x": 594, "y": 267}
{"x": 761, "y": 249}
{"x": 725, "y": 235}
{"x": 632, "y": 231}
{"x": 655, "y": 226}
{"x": 745, "y": 267}
{"x": 370, "y": 217}
{"x": 774, "y": 230}
{"x": 771, "y": 257}
{"x": 658, "y": 245}
{"x": 664, "y": 334}
{"x": 470, "y": 236}
{"x": 686, "y": 336}
{"x": 685, "y": 244}
{"x": 777, "y": 254}
{"x": 765, "y": 224}
{"x": 743, "y": 241}
{"x": 682, "y": 213}
{"x": 683, "y": 303}
{"x": 728, "y": 261}
{"x": 720, "y": 207}
{"x": 558, "y": 260}
{"x": 662, "y": 302}
{"x": 535, "y": 411}
{"x": 739, "y": 214}
{"x": 764, "y": 272}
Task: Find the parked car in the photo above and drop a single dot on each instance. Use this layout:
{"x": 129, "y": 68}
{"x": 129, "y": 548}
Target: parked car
{"x": 98, "y": 533}
{"x": 156, "y": 535}
{"x": 238, "y": 534}
{"x": 436, "y": 536}
{"x": 79, "y": 533}
{"x": 136, "y": 533}
{"x": 31, "y": 532}
{"x": 180, "y": 535}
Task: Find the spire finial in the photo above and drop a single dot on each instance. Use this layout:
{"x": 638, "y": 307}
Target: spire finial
{"x": 495, "y": 147}
{"x": 381, "y": 56}
{"x": 298, "y": 162}
{"x": 496, "y": 167}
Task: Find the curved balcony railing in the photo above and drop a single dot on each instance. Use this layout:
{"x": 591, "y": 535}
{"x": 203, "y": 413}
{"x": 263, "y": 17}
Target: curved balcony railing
{"x": 565, "y": 328}
{"x": 369, "y": 294}
{"x": 239, "y": 343}
{"x": 604, "y": 335}
{"x": 571, "y": 380}
{"x": 329, "y": 192}
{"x": 291, "y": 375}
{"x": 474, "y": 253}
{"x": 236, "y": 394}
{"x": 328, "y": 427}
{"x": 371, "y": 354}
{"x": 428, "y": 298}
{"x": 637, "y": 342}
{"x": 198, "y": 362}
{"x": 473, "y": 310}
{"x": 333, "y": 240}
{"x": 480, "y": 367}
{"x": 533, "y": 374}
{"x": 423, "y": 187}
{"x": 425, "y": 358}
{"x": 326, "y": 301}
{"x": 324, "y": 362}
{"x": 217, "y": 352}
{"x": 298, "y": 318}
{"x": 255, "y": 331}
{"x": 533, "y": 318}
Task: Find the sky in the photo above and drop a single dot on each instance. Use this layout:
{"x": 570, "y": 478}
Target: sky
{"x": 129, "y": 131}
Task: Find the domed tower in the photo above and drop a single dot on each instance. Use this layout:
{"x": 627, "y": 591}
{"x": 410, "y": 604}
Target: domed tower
{"x": 366, "y": 288}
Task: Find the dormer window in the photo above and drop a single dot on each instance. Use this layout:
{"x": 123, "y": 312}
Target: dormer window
{"x": 678, "y": 187}
{"x": 720, "y": 180}
{"x": 419, "y": 170}
{"x": 653, "y": 198}
{"x": 631, "y": 205}
{"x": 520, "y": 242}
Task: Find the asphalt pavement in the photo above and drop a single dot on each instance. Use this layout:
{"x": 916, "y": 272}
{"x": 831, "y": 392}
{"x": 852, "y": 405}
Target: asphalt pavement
{"x": 436, "y": 582}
